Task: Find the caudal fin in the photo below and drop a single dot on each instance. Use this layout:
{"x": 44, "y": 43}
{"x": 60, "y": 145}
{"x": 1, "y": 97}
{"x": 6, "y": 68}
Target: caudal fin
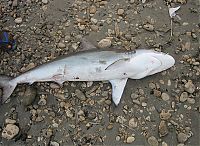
{"x": 7, "y": 86}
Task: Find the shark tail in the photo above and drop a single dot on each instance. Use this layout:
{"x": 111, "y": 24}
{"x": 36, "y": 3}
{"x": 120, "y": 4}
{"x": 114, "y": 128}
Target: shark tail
{"x": 8, "y": 87}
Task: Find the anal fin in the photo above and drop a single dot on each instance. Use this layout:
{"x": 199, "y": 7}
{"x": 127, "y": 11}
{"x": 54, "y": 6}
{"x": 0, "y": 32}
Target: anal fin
{"x": 118, "y": 86}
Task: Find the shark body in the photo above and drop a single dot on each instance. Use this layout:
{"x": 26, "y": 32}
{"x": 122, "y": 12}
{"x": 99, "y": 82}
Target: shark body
{"x": 95, "y": 65}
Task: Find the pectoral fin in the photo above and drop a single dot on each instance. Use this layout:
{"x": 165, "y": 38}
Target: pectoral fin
{"x": 117, "y": 89}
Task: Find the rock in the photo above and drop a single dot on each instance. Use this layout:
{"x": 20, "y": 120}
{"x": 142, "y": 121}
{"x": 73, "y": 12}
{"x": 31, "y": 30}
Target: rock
{"x": 163, "y": 130}
{"x": 18, "y": 20}
{"x": 182, "y": 137}
{"x": 61, "y": 45}
{"x": 28, "y": 96}
{"x": 14, "y": 3}
{"x": 157, "y": 93}
{"x": 134, "y": 96}
{"x": 117, "y": 138}
{"x": 152, "y": 86}
{"x": 81, "y": 27}
{"x": 10, "y": 121}
{"x": 152, "y": 141}
{"x": 28, "y": 67}
{"x": 10, "y": 131}
{"x": 130, "y": 139}
{"x": 54, "y": 86}
{"x": 80, "y": 95}
{"x": 164, "y": 144}
{"x": 42, "y": 101}
{"x": 44, "y": 1}
{"x": 148, "y": 27}
{"x": 93, "y": 9}
{"x": 94, "y": 28}
{"x": 184, "y": 96}
{"x": 132, "y": 123}
{"x": 189, "y": 87}
{"x": 165, "y": 96}
{"x": 93, "y": 20}
{"x": 191, "y": 100}
{"x": 144, "y": 104}
{"x": 120, "y": 12}
{"x": 54, "y": 143}
{"x": 104, "y": 43}
{"x": 165, "y": 115}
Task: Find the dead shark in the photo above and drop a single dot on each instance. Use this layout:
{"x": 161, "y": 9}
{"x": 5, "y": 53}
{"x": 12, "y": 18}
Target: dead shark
{"x": 94, "y": 64}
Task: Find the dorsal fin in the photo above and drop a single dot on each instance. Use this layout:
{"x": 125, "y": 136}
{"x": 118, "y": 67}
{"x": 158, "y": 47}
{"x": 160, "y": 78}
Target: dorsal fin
{"x": 86, "y": 45}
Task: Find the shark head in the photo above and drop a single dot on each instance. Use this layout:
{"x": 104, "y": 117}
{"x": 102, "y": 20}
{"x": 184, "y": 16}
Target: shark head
{"x": 162, "y": 60}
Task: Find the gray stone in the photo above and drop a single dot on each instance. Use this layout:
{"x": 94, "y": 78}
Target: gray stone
{"x": 80, "y": 95}
{"x": 104, "y": 43}
{"x": 61, "y": 45}
{"x": 163, "y": 130}
{"x": 44, "y": 1}
{"x": 132, "y": 123}
{"x": 130, "y": 139}
{"x": 165, "y": 96}
{"x": 152, "y": 141}
{"x": 184, "y": 96}
{"x": 182, "y": 137}
{"x": 148, "y": 27}
{"x": 189, "y": 87}
{"x": 18, "y": 20}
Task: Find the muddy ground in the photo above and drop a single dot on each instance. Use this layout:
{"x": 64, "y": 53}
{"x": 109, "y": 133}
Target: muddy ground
{"x": 162, "y": 109}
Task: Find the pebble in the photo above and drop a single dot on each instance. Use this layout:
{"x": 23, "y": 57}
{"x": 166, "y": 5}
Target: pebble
{"x": 10, "y": 121}
{"x": 152, "y": 141}
{"x": 29, "y": 96}
{"x": 191, "y": 100}
{"x": 189, "y": 87}
{"x": 44, "y": 1}
{"x": 132, "y": 123}
{"x": 15, "y": 3}
{"x": 130, "y": 139}
{"x": 165, "y": 96}
{"x": 18, "y": 20}
{"x": 134, "y": 96}
{"x": 164, "y": 144}
{"x": 117, "y": 138}
{"x": 148, "y": 27}
{"x": 120, "y": 12}
{"x": 80, "y": 95}
{"x": 93, "y": 9}
{"x": 157, "y": 93}
{"x": 61, "y": 45}
{"x": 42, "y": 101}
{"x": 165, "y": 115}
{"x": 104, "y": 43}
{"x": 163, "y": 130}
{"x": 184, "y": 96}
{"x": 10, "y": 131}
{"x": 54, "y": 143}
{"x": 152, "y": 86}
{"x": 54, "y": 86}
{"x": 182, "y": 137}
{"x": 93, "y": 20}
